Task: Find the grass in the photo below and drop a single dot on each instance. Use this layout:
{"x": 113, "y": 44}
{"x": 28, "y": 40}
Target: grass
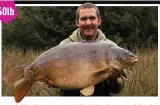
{"x": 142, "y": 78}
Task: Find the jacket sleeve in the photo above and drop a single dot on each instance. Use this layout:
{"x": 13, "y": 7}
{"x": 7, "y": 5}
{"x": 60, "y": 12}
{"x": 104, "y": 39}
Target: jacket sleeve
{"x": 65, "y": 41}
{"x": 111, "y": 42}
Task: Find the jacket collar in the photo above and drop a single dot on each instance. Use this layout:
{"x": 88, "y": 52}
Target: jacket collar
{"x": 77, "y": 37}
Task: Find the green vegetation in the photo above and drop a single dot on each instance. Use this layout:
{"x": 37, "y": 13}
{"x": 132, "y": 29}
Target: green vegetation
{"x": 44, "y": 27}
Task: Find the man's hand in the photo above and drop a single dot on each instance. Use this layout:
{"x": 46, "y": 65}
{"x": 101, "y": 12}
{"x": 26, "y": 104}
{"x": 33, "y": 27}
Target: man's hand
{"x": 115, "y": 82}
{"x": 49, "y": 83}
{"x": 124, "y": 73}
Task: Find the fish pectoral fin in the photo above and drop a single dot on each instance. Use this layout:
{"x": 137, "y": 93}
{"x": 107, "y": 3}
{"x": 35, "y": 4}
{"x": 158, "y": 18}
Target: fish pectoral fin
{"x": 88, "y": 90}
{"x": 21, "y": 88}
{"x": 105, "y": 70}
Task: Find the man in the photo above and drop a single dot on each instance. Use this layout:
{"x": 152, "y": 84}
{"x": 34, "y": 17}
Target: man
{"x": 88, "y": 20}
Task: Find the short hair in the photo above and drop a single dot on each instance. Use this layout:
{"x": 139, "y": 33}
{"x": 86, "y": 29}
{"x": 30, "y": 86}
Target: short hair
{"x": 87, "y": 5}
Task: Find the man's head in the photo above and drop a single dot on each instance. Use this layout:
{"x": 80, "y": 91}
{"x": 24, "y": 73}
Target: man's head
{"x": 88, "y": 19}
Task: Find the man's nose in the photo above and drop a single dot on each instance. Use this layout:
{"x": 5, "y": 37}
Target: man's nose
{"x": 88, "y": 22}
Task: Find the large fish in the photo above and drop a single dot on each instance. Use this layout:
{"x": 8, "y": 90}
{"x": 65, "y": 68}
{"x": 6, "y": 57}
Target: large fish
{"x": 77, "y": 65}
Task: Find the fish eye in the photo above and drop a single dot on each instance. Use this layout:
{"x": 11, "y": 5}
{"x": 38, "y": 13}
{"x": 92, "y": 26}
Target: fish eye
{"x": 128, "y": 53}
{"x": 125, "y": 52}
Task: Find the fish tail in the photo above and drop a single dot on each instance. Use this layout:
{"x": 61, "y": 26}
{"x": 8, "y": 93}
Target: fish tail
{"x": 13, "y": 75}
{"x": 21, "y": 88}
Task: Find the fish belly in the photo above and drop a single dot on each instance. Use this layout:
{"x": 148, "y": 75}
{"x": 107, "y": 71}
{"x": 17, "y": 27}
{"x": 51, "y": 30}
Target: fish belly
{"x": 68, "y": 79}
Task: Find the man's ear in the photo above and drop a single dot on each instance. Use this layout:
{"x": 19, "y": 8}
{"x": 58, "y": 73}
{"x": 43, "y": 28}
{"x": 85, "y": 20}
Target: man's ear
{"x": 77, "y": 22}
{"x": 99, "y": 20}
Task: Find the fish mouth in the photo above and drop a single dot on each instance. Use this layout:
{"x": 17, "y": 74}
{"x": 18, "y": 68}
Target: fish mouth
{"x": 135, "y": 60}
{"x": 129, "y": 62}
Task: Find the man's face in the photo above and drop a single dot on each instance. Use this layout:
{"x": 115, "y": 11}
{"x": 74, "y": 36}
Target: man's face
{"x": 88, "y": 22}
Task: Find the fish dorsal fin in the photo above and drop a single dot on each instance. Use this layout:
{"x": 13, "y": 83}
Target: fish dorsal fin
{"x": 88, "y": 90}
{"x": 105, "y": 70}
